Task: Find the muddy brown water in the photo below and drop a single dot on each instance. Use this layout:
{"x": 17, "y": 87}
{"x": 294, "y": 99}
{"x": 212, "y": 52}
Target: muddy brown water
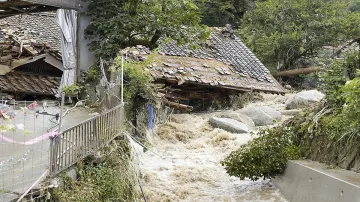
{"x": 184, "y": 165}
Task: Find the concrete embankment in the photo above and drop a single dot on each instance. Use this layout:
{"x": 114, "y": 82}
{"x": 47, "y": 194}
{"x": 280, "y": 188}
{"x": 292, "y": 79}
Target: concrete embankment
{"x": 314, "y": 182}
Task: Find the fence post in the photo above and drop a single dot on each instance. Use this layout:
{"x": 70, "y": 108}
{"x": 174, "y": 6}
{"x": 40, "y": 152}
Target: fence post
{"x": 95, "y": 132}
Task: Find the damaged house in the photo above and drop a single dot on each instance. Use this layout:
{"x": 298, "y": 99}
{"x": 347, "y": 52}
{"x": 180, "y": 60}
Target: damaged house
{"x": 30, "y": 57}
{"x": 221, "y": 67}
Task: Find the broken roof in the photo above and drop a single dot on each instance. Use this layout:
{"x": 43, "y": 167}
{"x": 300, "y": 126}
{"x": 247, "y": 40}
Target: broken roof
{"x": 225, "y": 47}
{"x": 35, "y": 31}
{"x": 30, "y": 84}
{"x": 27, "y": 38}
{"x": 14, "y": 7}
{"x": 205, "y": 72}
{"x": 223, "y": 61}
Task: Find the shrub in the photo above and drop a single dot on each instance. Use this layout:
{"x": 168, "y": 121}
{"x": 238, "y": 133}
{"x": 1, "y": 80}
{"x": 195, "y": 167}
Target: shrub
{"x": 263, "y": 157}
{"x": 332, "y": 79}
{"x": 71, "y": 90}
{"x": 336, "y": 75}
{"x": 351, "y": 95}
{"x": 112, "y": 180}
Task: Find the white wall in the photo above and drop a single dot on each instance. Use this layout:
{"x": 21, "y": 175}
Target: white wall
{"x": 85, "y": 58}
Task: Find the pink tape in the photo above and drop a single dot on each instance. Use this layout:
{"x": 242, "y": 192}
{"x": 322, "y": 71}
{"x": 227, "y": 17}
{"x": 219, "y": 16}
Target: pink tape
{"x": 33, "y": 141}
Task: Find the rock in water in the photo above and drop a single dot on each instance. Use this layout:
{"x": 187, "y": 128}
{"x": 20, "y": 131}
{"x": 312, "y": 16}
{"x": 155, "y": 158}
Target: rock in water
{"x": 304, "y": 99}
{"x": 229, "y": 125}
{"x": 259, "y": 117}
{"x": 273, "y": 113}
{"x": 291, "y": 112}
{"x": 238, "y": 117}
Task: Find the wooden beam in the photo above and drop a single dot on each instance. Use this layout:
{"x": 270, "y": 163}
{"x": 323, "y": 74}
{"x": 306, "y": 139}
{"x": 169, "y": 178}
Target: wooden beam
{"x": 177, "y": 105}
{"x": 295, "y": 72}
{"x": 8, "y": 4}
{"x": 70, "y": 4}
{"x": 20, "y": 10}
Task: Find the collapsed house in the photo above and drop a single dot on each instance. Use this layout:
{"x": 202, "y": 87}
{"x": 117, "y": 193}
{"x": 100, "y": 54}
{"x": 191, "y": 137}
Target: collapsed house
{"x": 220, "y": 67}
{"x": 30, "y": 57}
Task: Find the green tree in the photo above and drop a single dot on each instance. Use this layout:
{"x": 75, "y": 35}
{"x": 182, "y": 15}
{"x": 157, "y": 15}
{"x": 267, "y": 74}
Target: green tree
{"x": 281, "y": 32}
{"x": 355, "y": 6}
{"x": 218, "y": 13}
{"x": 118, "y": 24}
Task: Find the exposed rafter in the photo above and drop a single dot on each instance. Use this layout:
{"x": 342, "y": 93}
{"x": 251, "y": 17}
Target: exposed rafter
{"x": 72, "y": 4}
{"x": 15, "y": 7}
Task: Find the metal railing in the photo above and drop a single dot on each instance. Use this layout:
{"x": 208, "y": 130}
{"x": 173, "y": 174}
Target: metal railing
{"x": 84, "y": 139}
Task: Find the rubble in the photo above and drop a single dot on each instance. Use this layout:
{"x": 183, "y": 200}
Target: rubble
{"x": 30, "y": 57}
{"x": 23, "y": 37}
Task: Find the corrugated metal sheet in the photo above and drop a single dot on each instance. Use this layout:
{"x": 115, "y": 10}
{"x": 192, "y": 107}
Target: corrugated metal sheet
{"x": 30, "y": 84}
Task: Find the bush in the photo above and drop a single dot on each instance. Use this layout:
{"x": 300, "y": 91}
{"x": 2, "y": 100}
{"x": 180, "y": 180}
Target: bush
{"x": 336, "y": 75}
{"x": 71, "y": 90}
{"x": 263, "y": 157}
{"x": 112, "y": 180}
{"x": 351, "y": 95}
{"x": 332, "y": 79}
{"x": 137, "y": 81}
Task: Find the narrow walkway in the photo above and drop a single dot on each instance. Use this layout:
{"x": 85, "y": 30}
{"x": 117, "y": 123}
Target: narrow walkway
{"x": 21, "y": 165}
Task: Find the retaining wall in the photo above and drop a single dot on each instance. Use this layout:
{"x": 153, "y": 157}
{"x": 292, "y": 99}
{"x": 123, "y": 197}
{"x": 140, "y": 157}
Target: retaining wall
{"x": 307, "y": 181}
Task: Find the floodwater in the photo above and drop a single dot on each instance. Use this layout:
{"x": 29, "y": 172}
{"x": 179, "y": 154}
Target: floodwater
{"x": 183, "y": 164}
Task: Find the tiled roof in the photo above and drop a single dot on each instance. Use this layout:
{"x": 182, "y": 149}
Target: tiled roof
{"x": 32, "y": 84}
{"x": 32, "y": 29}
{"x": 185, "y": 70}
{"x": 226, "y": 48}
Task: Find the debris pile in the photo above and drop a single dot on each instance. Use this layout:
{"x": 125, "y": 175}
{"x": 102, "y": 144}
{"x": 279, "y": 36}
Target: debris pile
{"x": 24, "y": 37}
{"x": 30, "y": 57}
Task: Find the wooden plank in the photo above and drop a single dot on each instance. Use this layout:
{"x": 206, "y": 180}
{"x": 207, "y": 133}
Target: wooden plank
{"x": 71, "y": 4}
{"x": 62, "y": 148}
{"x": 97, "y": 125}
{"x": 88, "y": 136}
{"x": 94, "y": 133}
{"x": 85, "y": 131}
{"x": 107, "y": 125}
{"x": 71, "y": 147}
{"x": 102, "y": 129}
{"x": 113, "y": 120}
{"x": 52, "y": 157}
{"x": 74, "y": 147}
{"x": 9, "y": 4}
{"x": 81, "y": 142}
{"x": 66, "y": 149}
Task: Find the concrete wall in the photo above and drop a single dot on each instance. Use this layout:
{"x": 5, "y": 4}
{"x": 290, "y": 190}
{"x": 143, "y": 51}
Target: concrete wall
{"x": 85, "y": 58}
{"x": 306, "y": 181}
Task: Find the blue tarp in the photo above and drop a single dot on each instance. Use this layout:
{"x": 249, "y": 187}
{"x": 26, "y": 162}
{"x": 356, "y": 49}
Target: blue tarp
{"x": 151, "y": 117}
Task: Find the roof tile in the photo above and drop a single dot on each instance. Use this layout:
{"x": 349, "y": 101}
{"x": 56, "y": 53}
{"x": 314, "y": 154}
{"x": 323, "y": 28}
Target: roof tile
{"x": 229, "y": 50}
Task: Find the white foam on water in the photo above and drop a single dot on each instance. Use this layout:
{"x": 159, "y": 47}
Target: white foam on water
{"x": 187, "y": 167}
{"x": 184, "y": 163}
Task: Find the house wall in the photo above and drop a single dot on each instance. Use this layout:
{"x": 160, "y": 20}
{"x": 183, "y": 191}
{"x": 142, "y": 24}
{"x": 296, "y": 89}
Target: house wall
{"x": 85, "y": 57}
